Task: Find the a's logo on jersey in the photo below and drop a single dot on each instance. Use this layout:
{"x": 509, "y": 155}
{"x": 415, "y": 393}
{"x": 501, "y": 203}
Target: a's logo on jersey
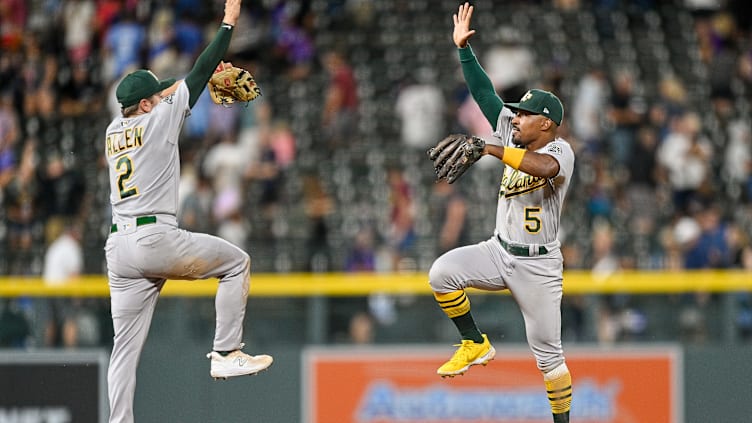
{"x": 554, "y": 148}
{"x": 168, "y": 99}
{"x": 515, "y": 183}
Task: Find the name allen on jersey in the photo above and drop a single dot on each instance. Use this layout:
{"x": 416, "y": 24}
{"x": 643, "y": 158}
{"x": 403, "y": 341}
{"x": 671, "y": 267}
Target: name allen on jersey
{"x": 129, "y": 139}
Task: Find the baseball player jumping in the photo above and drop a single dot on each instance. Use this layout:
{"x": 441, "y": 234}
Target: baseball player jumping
{"x": 145, "y": 246}
{"x": 523, "y": 255}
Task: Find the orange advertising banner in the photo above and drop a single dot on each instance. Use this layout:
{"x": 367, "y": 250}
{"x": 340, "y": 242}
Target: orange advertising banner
{"x": 399, "y": 385}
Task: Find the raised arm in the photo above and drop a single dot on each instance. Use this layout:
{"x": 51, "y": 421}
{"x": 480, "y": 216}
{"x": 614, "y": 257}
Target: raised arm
{"x": 477, "y": 80}
{"x": 212, "y": 55}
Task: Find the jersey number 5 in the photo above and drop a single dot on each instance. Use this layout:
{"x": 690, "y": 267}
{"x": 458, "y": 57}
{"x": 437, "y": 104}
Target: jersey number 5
{"x": 124, "y": 167}
{"x": 532, "y": 220}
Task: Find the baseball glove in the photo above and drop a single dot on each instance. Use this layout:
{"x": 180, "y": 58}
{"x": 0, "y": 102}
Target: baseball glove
{"x": 231, "y": 84}
{"x": 453, "y": 155}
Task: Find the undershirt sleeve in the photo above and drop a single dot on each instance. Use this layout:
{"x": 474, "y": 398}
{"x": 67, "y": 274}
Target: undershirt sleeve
{"x": 480, "y": 85}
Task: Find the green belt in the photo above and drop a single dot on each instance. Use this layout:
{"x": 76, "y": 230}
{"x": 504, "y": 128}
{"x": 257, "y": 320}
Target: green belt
{"x": 140, "y": 221}
{"x": 520, "y": 250}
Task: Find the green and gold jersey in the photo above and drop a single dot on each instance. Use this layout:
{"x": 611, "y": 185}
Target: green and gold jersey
{"x": 143, "y": 159}
{"x": 529, "y": 207}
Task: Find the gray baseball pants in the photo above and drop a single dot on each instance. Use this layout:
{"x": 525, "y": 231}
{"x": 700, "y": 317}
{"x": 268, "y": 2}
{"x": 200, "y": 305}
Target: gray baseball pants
{"x": 534, "y": 282}
{"x": 139, "y": 261}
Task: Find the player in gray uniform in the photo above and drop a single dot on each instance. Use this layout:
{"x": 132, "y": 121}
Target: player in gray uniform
{"x": 523, "y": 255}
{"x": 145, "y": 246}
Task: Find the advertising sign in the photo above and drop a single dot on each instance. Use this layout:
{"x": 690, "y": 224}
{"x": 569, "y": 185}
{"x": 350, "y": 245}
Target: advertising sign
{"x": 400, "y": 385}
{"x": 52, "y": 387}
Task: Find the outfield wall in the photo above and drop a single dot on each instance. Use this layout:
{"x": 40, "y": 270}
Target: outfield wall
{"x": 346, "y": 284}
{"x": 288, "y": 315}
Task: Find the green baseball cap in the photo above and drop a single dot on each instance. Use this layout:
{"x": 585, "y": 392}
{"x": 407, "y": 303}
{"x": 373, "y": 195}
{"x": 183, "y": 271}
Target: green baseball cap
{"x": 540, "y": 102}
{"x": 140, "y": 84}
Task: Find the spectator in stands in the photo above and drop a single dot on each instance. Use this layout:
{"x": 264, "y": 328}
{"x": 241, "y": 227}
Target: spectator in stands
{"x": 255, "y": 123}
{"x": 294, "y": 45}
{"x": 339, "y": 117}
{"x": 361, "y": 329}
{"x": 9, "y": 133}
{"x": 449, "y": 208}
{"x": 710, "y": 249}
{"x": 706, "y": 248}
{"x": 587, "y": 110}
{"x": 122, "y": 44}
{"x": 224, "y": 164}
{"x": 164, "y": 56}
{"x": 21, "y": 199}
{"x": 626, "y": 112}
{"x": 722, "y": 64}
{"x": 196, "y": 209}
{"x": 62, "y": 194}
{"x": 69, "y": 322}
{"x": 672, "y": 96}
{"x": 737, "y": 160}
{"x": 641, "y": 182}
{"x": 420, "y": 109}
{"x": 402, "y": 236}
{"x": 38, "y": 76}
{"x": 684, "y": 156}
{"x": 79, "y": 93}
{"x": 277, "y": 152}
{"x": 13, "y": 14}
{"x": 232, "y": 226}
{"x": 362, "y": 255}
{"x": 318, "y": 205}
{"x": 509, "y": 63}
{"x": 78, "y": 21}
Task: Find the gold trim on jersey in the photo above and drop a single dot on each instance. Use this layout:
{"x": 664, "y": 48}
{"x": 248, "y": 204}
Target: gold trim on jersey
{"x": 515, "y": 182}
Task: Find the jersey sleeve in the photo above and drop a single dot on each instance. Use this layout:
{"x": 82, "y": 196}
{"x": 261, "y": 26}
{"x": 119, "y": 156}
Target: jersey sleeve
{"x": 562, "y": 152}
{"x": 502, "y": 136}
{"x": 172, "y": 111}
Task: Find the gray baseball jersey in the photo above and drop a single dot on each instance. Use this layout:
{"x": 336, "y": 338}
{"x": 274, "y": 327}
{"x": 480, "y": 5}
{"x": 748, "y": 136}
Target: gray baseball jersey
{"x": 142, "y": 153}
{"x": 529, "y": 207}
{"x": 527, "y": 218}
{"x": 145, "y": 246}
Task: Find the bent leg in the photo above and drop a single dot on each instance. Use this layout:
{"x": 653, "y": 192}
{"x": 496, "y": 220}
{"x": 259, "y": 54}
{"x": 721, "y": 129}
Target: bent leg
{"x": 202, "y": 256}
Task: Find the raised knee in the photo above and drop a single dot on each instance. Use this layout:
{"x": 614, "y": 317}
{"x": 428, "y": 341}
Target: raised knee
{"x": 435, "y": 277}
{"x": 440, "y": 276}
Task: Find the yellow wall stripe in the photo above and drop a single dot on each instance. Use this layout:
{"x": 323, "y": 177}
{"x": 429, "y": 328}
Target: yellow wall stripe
{"x": 349, "y": 284}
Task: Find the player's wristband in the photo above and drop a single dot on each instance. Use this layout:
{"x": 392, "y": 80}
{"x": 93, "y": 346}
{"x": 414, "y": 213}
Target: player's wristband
{"x": 225, "y": 25}
{"x": 513, "y": 156}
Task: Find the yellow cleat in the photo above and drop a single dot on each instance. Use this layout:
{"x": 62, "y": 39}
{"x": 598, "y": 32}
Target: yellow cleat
{"x": 468, "y": 354}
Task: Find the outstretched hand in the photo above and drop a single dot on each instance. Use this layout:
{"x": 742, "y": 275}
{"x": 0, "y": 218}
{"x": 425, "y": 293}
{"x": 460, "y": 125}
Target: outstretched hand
{"x": 462, "y": 31}
{"x": 232, "y": 12}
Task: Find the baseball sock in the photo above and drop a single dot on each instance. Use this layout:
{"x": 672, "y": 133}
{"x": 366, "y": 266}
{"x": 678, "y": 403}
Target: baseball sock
{"x": 559, "y": 390}
{"x": 456, "y": 305}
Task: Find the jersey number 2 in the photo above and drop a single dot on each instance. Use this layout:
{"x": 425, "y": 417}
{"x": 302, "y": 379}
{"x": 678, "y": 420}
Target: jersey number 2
{"x": 124, "y": 168}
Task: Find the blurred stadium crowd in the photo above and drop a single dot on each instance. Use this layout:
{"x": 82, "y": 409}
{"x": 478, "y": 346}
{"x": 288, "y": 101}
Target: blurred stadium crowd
{"x": 327, "y": 171}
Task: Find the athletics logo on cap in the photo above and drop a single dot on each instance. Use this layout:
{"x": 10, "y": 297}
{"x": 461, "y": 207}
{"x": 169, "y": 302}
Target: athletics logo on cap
{"x": 540, "y": 102}
{"x": 140, "y": 84}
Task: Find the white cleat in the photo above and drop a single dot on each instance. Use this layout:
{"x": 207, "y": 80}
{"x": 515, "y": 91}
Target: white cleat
{"x": 237, "y": 363}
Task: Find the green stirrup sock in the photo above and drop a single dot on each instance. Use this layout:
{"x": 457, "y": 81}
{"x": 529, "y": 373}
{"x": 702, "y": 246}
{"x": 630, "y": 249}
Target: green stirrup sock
{"x": 466, "y": 325}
